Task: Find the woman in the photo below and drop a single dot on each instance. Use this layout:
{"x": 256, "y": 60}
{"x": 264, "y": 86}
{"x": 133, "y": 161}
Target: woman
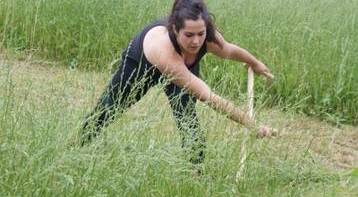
{"x": 172, "y": 49}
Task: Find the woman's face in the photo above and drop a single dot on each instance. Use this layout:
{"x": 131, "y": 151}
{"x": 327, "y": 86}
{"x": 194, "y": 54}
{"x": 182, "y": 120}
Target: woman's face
{"x": 192, "y": 36}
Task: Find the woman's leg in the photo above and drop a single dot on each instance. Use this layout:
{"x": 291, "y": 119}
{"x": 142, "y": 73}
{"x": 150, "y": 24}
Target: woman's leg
{"x": 183, "y": 106}
{"x": 128, "y": 85}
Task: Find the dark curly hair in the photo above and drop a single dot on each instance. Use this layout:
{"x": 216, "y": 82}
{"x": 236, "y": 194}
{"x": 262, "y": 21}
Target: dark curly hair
{"x": 191, "y": 10}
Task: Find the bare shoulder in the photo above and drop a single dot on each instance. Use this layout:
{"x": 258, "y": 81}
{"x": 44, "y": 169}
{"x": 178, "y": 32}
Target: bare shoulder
{"x": 223, "y": 51}
{"x": 157, "y": 46}
{"x": 214, "y": 47}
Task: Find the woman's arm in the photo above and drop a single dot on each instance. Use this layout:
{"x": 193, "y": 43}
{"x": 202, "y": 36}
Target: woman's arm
{"x": 182, "y": 77}
{"x": 234, "y": 52}
{"x": 170, "y": 64}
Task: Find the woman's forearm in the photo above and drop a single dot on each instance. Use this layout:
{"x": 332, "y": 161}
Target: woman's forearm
{"x": 224, "y": 106}
{"x": 242, "y": 55}
{"x": 202, "y": 92}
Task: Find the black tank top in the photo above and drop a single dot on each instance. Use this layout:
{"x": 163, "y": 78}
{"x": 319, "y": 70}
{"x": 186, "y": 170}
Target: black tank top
{"x": 135, "y": 48}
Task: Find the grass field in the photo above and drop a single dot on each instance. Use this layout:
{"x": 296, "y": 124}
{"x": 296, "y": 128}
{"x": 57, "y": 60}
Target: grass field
{"x": 42, "y": 107}
{"x": 309, "y": 45}
{"x": 57, "y": 56}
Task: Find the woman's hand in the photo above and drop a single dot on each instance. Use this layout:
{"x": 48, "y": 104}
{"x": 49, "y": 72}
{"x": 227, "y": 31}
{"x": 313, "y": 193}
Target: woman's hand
{"x": 262, "y": 69}
{"x": 265, "y": 131}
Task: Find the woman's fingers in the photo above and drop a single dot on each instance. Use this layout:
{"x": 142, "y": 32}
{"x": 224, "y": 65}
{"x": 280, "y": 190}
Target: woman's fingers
{"x": 261, "y": 69}
{"x": 266, "y": 131}
{"x": 268, "y": 75}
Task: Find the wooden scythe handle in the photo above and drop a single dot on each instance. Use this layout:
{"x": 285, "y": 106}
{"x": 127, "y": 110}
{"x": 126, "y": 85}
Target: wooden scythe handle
{"x": 250, "y": 96}
{"x": 250, "y": 92}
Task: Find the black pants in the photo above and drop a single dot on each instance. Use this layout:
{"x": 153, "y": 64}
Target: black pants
{"x": 132, "y": 81}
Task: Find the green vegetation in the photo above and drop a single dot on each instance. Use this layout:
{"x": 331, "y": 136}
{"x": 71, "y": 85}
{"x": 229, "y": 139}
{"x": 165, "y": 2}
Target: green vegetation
{"x": 140, "y": 154}
{"x": 309, "y": 45}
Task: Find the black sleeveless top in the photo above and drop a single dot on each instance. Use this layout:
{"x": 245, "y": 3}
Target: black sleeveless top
{"x": 135, "y": 48}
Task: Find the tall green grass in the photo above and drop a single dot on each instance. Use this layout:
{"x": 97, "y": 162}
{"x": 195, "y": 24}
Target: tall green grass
{"x": 88, "y": 34}
{"x": 140, "y": 154}
{"x": 309, "y": 45}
